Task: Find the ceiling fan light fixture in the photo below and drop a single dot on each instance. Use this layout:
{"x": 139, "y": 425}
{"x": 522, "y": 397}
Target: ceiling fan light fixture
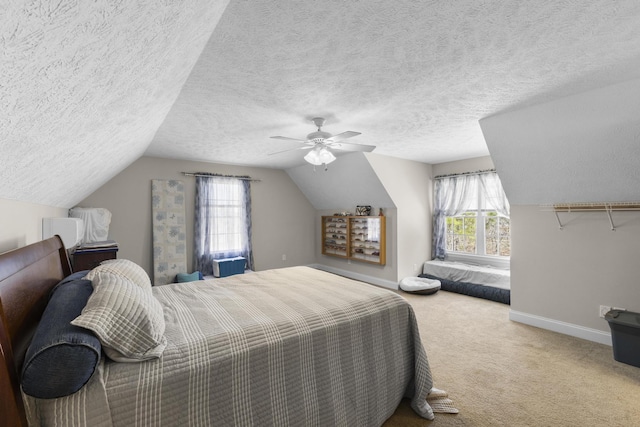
{"x": 319, "y": 156}
{"x": 322, "y": 143}
{"x": 326, "y": 156}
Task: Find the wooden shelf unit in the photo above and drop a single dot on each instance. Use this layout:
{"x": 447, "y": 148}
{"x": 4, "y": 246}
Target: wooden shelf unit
{"x": 358, "y": 238}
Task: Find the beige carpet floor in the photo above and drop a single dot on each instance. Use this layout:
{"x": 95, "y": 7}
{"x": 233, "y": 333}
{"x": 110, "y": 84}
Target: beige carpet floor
{"x": 503, "y": 373}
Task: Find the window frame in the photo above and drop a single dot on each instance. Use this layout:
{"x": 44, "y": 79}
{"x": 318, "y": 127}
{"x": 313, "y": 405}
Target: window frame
{"x": 480, "y": 257}
{"x": 220, "y": 220}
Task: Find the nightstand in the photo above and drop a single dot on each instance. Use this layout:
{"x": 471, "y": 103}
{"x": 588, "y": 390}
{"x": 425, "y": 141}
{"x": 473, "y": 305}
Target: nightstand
{"x": 88, "y": 258}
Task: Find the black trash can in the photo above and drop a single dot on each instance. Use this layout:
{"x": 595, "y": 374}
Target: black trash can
{"x": 625, "y": 336}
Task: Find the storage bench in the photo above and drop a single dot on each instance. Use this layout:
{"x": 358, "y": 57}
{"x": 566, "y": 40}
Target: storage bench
{"x": 228, "y": 266}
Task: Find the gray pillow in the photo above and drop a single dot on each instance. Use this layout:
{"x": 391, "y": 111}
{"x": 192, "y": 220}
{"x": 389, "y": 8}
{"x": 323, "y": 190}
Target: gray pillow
{"x": 128, "y": 320}
{"x": 124, "y": 268}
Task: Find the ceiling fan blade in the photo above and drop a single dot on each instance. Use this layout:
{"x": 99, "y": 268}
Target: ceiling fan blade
{"x": 286, "y": 138}
{"x": 291, "y": 149}
{"x": 347, "y": 146}
{"x": 343, "y": 135}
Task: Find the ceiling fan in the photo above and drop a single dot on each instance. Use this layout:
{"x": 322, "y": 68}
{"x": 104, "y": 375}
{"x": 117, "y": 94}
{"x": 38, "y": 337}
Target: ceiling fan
{"x": 322, "y": 143}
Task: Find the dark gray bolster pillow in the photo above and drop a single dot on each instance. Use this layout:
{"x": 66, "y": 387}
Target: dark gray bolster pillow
{"x": 61, "y": 357}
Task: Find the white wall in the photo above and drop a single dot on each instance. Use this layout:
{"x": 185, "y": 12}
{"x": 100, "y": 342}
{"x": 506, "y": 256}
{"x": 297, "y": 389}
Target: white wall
{"x": 22, "y": 222}
{"x": 283, "y": 219}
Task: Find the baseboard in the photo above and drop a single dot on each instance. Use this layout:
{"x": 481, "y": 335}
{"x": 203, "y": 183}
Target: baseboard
{"x": 561, "y": 327}
{"x": 357, "y": 276}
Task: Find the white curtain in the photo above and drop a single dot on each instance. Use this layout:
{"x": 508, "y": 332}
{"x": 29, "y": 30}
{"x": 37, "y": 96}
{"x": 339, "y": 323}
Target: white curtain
{"x": 458, "y": 193}
{"x": 222, "y": 227}
{"x": 494, "y": 194}
{"x": 453, "y": 196}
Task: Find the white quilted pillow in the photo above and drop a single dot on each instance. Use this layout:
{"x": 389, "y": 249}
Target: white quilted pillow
{"x": 124, "y": 268}
{"x": 128, "y": 320}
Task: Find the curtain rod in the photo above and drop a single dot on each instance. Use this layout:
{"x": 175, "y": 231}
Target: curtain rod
{"x": 243, "y": 177}
{"x": 465, "y": 173}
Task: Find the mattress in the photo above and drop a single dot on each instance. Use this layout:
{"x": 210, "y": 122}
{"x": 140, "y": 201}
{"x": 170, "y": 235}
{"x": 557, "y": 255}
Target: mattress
{"x": 461, "y": 272}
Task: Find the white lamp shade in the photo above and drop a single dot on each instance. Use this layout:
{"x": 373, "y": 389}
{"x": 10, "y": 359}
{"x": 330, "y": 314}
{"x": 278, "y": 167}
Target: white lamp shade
{"x": 319, "y": 156}
{"x": 70, "y": 230}
{"x": 326, "y": 156}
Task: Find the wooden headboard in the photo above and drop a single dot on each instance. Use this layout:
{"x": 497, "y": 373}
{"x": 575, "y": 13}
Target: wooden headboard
{"x": 27, "y": 275}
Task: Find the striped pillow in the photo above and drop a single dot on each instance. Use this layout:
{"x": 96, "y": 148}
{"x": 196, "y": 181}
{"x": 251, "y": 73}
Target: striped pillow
{"x": 124, "y": 268}
{"x": 128, "y": 320}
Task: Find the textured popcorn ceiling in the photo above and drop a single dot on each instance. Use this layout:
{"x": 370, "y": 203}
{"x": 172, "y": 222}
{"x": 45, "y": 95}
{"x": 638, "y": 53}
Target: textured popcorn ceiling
{"x": 413, "y": 76}
{"x": 85, "y": 85}
{"x": 88, "y": 87}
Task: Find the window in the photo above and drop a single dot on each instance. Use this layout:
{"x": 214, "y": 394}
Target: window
{"x": 222, "y": 226}
{"x": 227, "y": 232}
{"x": 461, "y": 233}
{"x": 497, "y": 234}
{"x": 479, "y": 231}
{"x": 471, "y": 217}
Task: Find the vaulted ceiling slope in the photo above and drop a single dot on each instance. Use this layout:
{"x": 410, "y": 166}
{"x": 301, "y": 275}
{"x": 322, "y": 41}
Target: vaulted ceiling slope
{"x": 85, "y": 86}
{"x": 582, "y": 148}
{"x": 88, "y": 87}
{"x": 349, "y": 179}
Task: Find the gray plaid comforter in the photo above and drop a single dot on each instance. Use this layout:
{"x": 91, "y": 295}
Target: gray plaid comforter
{"x": 287, "y": 347}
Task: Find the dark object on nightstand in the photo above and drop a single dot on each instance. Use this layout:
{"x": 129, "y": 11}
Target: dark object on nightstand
{"x": 92, "y": 254}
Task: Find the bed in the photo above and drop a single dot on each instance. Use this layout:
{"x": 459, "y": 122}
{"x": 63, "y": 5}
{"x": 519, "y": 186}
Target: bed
{"x": 474, "y": 280}
{"x": 292, "y": 346}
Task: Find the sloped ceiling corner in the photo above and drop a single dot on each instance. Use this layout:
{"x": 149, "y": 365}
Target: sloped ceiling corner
{"x": 581, "y": 148}
{"x": 348, "y": 182}
{"x": 85, "y": 86}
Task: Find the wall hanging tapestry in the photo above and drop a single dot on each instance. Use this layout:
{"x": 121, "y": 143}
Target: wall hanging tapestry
{"x": 169, "y": 231}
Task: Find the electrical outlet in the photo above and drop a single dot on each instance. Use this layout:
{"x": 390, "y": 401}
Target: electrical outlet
{"x": 284, "y": 257}
{"x": 603, "y": 310}
{"x": 415, "y": 267}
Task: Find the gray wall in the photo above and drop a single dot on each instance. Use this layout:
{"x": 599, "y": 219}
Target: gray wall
{"x": 403, "y": 188}
{"x": 387, "y": 274}
{"x": 283, "y": 219}
{"x": 565, "y": 275}
{"x": 410, "y": 186}
{"x": 559, "y": 278}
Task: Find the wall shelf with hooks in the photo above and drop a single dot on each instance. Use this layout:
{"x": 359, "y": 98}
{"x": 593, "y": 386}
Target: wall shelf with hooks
{"x": 609, "y": 208}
